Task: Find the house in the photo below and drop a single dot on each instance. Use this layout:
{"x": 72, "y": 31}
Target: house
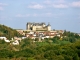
{"x": 3, "y": 38}
{"x": 16, "y": 42}
{"x": 43, "y": 38}
{"x": 24, "y": 37}
{"x": 17, "y": 38}
{"x": 46, "y": 36}
{"x": 7, "y": 40}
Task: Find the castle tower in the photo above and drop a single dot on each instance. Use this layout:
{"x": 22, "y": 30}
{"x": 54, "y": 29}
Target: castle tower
{"x": 43, "y": 24}
{"x": 34, "y": 27}
{"x": 28, "y": 26}
{"x": 49, "y": 27}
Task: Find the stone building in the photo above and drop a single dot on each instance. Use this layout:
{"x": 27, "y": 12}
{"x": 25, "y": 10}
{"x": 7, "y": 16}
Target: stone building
{"x": 38, "y": 26}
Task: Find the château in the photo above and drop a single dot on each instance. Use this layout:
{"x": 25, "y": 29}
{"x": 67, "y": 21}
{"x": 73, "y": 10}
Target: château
{"x": 38, "y": 26}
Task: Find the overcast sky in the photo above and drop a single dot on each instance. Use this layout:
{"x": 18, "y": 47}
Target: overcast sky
{"x": 61, "y": 14}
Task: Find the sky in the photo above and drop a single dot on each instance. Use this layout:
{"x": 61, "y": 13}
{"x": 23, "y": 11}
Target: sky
{"x": 61, "y": 14}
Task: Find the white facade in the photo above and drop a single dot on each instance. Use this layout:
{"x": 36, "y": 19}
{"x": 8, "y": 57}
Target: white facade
{"x": 3, "y": 38}
{"x": 6, "y": 40}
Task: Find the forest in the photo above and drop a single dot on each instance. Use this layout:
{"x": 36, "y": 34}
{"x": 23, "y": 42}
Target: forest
{"x": 46, "y": 50}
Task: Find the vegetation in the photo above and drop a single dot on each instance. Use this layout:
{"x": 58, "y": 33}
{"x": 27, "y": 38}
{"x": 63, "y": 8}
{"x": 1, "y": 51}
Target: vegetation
{"x": 8, "y": 32}
{"x": 40, "y": 51}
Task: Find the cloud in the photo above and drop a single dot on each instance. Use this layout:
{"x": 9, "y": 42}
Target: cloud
{"x": 56, "y": 3}
{"x": 20, "y": 15}
{"x": 2, "y": 6}
{"x": 60, "y": 6}
{"x": 47, "y": 1}
{"x": 34, "y": 15}
{"x": 36, "y": 6}
{"x": 59, "y": 1}
{"x": 76, "y": 4}
{"x": 27, "y": 15}
{"x": 46, "y": 14}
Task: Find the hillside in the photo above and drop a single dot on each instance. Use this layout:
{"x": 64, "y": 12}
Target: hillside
{"x": 28, "y": 50}
{"x": 66, "y": 48}
{"x": 8, "y": 32}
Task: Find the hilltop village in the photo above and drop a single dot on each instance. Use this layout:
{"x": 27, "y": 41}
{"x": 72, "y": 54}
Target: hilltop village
{"x": 39, "y": 30}
{"x": 34, "y": 31}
